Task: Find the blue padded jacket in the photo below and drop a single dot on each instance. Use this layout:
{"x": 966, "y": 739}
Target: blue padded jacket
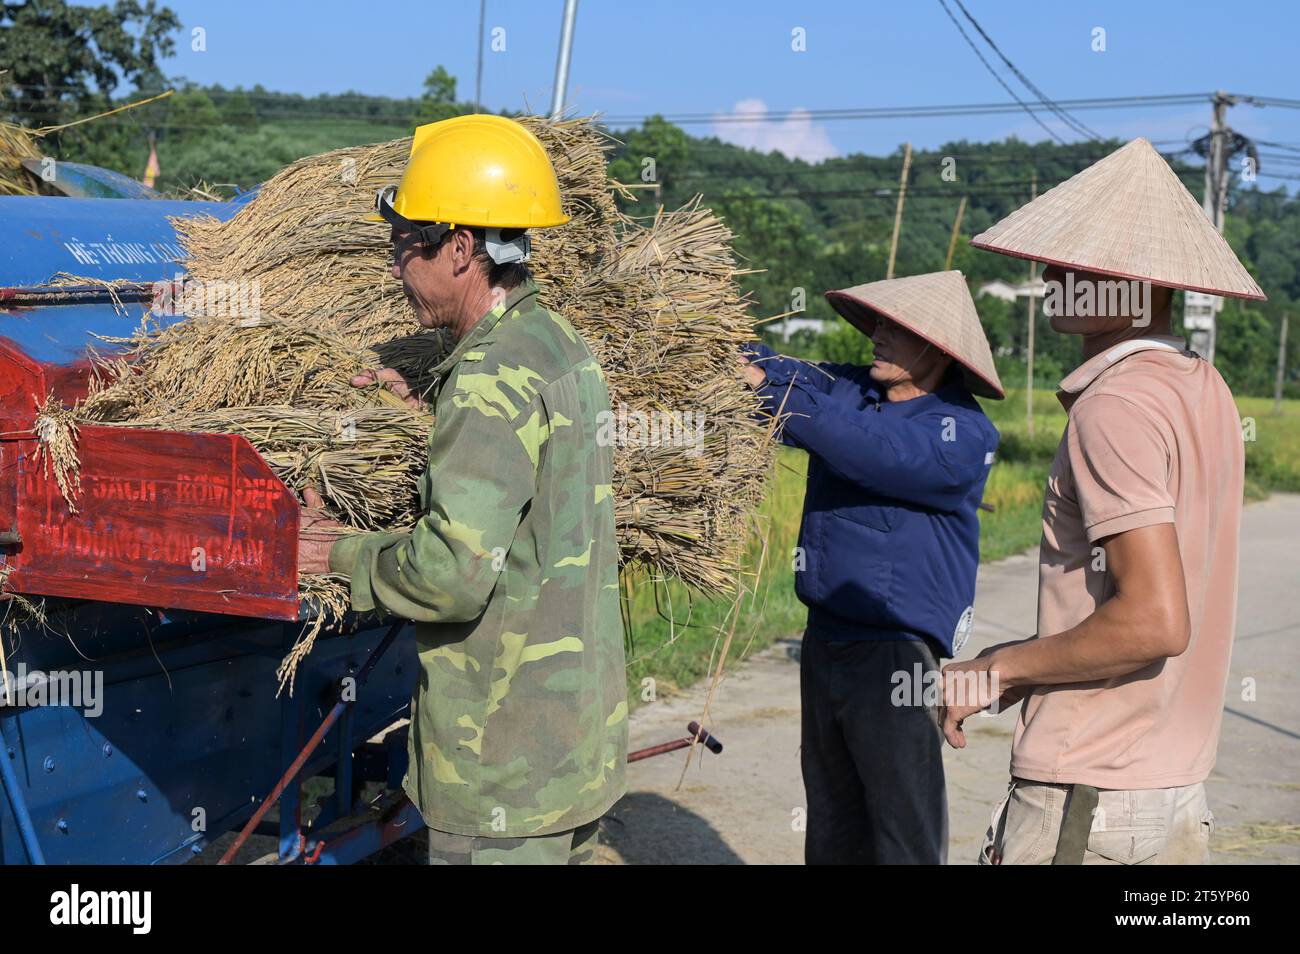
{"x": 889, "y": 541}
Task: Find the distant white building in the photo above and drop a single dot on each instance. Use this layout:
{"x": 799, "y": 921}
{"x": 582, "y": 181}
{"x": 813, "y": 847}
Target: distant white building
{"x": 1009, "y": 292}
{"x": 788, "y": 326}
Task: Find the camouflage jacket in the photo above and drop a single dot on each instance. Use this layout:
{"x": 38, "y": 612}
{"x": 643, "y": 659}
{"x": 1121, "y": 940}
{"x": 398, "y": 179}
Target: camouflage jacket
{"x": 519, "y": 718}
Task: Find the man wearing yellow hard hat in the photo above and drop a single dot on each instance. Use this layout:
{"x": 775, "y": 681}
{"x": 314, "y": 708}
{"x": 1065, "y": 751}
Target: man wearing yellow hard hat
{"x": 518, "y": 738}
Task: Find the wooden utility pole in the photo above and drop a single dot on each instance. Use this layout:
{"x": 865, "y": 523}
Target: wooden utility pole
{"x": 898, "y": 212}
{"x": 1281, "y": 368}
{"x": 1029, "y": 363}
{"x": 956, "y": 228}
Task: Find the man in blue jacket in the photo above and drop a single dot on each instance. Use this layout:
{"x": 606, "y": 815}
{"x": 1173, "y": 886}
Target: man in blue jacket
{"x": 898, "y": 453}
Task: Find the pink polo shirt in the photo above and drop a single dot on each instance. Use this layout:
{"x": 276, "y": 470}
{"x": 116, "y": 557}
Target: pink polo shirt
{"x": 1153, "y": 437}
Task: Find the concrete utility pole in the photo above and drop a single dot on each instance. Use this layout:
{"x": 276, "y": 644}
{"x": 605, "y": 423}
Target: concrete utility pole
{"x": 562, "y": 60}
{"x": 1199, "y": 309}
{"x": 1029, "y": 362}
{"x": 898, "y": 212}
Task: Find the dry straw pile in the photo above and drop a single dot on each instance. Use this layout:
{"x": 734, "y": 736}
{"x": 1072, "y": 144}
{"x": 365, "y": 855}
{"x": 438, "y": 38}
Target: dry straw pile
{"x": 16, "y": 146}
{"x": 656, "y": 301}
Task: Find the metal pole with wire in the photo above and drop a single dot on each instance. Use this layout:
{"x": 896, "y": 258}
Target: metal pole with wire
{"x": 562, "y": 60}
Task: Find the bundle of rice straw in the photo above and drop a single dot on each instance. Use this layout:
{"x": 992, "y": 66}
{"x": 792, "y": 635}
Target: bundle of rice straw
{"x": 284, "y": 387}
{"x": 17, "y": 145}
{"x": 656, "y": 301}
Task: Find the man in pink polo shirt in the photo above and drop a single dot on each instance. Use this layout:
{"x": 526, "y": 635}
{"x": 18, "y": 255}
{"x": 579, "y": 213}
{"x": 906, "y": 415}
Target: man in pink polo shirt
{"x": 1123, "y": 685}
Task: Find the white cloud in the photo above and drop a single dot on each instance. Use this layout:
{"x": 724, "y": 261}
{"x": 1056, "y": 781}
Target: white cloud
{"x": 794, "y": 135}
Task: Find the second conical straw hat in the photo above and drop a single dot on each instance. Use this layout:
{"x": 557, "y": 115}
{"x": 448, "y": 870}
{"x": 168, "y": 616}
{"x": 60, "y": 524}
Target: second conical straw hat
{"x": 1128, "y": 215}
{"x": 938, "y": 307}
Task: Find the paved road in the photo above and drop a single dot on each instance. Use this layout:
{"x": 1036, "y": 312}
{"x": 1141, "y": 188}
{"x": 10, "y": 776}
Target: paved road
{"x": 744, "y": 806}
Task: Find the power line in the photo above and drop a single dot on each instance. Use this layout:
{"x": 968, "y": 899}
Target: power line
{"x": 265, "y": 116}
{"x": 1086, "y": 154}
{"x": 1282, "y": 157}
{"x": 950, "y": 195}
{"x": 1278, "y": 145}
{"x": 1270, "y": 101}
{"x": 1064, "y": 116}
{"x": 917, "y": 112}
{"x": 1069, "y": 150}
{"x": 267, "y": 95}
{"x": 1011, "y": 188}
{"x": 289, "y": 102}
{"x": 990, "y": 188}
{"x": 289, "y": 99}
{"x": 1080, "y": 158}
{"x": 989, "y": 66}
{"x": 1162, "y": 100}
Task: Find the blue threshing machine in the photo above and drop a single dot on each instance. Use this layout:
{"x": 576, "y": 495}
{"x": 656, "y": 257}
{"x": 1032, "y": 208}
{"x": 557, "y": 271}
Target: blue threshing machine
{"x": 190, "y": 737}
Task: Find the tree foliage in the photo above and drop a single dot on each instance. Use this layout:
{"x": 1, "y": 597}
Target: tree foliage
{"x": 62, "y": 59}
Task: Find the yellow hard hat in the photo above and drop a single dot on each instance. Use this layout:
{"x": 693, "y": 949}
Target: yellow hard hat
{"x": 479, "y": 170}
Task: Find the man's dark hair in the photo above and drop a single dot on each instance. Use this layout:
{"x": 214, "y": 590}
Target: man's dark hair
{"x": 499, "y": 276}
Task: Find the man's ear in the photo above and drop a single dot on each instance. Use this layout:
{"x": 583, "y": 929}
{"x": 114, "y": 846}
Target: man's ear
{"x": 462, "y": 249}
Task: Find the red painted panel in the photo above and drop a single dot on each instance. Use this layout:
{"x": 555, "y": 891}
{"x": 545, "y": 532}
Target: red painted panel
{"x": 185, "y": 521}
{"x": 22, "y": 387}
{"x": 21, "y": 376}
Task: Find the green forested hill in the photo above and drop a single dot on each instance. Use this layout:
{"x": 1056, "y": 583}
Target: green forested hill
{"x": 800, "y": 226}
{"x": 816, "y": 227}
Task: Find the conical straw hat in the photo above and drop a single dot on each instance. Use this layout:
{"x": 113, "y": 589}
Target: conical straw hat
{"x": 1130, "y": 216}
{"x": 936, "y": 306}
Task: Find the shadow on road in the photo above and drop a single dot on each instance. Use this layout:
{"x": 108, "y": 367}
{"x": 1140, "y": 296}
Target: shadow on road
{"x": 648, "y": 829}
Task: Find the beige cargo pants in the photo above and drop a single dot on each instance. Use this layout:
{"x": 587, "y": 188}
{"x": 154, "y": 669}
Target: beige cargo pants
{"x": 1157, "y": 826}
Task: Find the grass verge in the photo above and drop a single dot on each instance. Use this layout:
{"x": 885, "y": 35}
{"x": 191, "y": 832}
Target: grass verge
{"x": 674, "y": 640}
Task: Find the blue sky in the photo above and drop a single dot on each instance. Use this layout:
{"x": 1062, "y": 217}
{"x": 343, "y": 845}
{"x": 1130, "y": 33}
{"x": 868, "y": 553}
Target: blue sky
{"x": 674, "y": 57}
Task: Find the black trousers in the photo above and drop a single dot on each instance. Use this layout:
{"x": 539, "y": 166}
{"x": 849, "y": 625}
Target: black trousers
{"x": 872, "y": 768}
